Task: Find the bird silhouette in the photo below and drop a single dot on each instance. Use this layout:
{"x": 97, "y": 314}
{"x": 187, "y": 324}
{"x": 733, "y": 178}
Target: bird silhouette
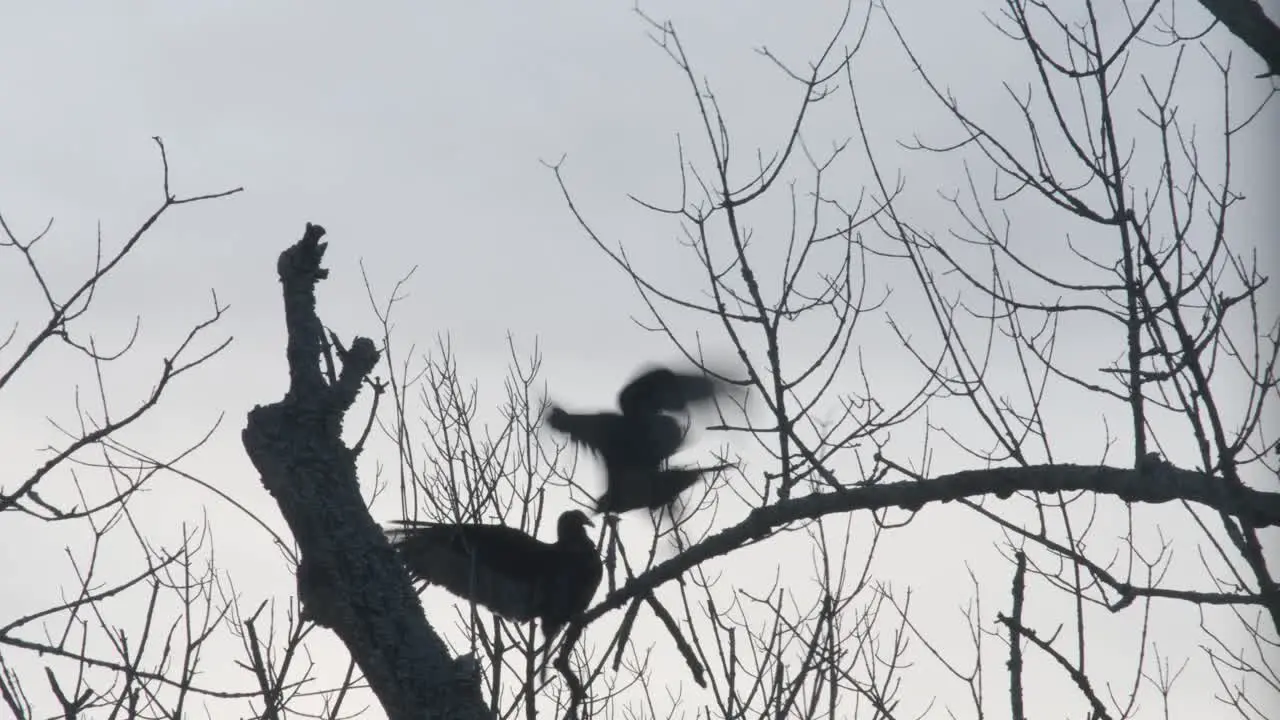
{"x": 511, "y": 573}
{"x": 661, "y": 389}
{"x": 652, "y": 489}
{"x": 635, "y": 443}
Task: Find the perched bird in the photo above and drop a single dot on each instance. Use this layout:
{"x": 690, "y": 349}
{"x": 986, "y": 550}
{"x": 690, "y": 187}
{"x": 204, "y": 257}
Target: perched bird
{"x": 635, "y": 443}
{"x": 516, "y": 576}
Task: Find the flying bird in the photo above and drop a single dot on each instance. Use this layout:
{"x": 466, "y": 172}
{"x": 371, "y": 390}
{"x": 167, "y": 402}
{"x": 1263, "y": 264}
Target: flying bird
{"x": 651, "y": 489}
{"x": 664, "y": 389}
{"x": 511, "y": 573}
{"x": 635, "y": 443}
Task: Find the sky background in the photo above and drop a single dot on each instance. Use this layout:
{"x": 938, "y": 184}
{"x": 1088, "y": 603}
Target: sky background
{"x": 416, "y": 134}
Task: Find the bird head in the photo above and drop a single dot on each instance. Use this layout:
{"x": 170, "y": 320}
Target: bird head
{"x": 555, "y": 416}
{"x": 573, "y": 524}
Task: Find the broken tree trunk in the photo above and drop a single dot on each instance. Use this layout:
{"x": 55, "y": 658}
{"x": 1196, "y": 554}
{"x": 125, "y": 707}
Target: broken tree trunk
{"x": 349, "y": 579}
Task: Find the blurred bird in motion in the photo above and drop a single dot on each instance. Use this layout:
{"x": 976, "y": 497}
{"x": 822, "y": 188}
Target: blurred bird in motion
{"x": 516, "y": 576}
{"x": 635, "y": 444}
{"x": 630, "y": 489}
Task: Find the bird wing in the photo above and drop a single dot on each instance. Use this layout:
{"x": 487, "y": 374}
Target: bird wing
{"x": 498, "y": 567}
{"x": 661, "y": 388}
{"x": 642, "y": 441}
{"x": 598, "y": 431}
{"x": 631, "y": 490}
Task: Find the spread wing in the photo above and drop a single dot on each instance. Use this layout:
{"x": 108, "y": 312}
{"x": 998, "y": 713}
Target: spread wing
{"x": 662, "y": 389}
{"x": 600, "y": 432}
{"x": 498, "y": 567}
{"x": 633, "y": 441}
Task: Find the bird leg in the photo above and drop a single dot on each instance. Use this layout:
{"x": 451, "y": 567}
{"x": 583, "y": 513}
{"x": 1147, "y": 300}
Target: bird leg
{"x": 546, "y": 658}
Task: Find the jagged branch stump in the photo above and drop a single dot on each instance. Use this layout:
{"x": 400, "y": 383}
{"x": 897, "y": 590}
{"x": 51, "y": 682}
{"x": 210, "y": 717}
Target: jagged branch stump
{"x": 349, "y": 579}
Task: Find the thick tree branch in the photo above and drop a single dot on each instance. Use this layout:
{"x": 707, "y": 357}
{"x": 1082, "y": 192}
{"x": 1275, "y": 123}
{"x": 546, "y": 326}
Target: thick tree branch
{"x": 349, "y": 578}
{"x": 1156, "y": 482}
{"x": 1248, "y": 21}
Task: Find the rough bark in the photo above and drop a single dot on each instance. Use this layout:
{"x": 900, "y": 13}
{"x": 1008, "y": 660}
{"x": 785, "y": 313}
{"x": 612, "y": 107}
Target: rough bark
{"x": 1248, "y": 21}
{"x": 349, "y": 579}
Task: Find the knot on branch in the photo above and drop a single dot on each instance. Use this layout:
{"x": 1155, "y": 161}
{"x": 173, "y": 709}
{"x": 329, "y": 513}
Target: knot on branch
{"x": 357, "y": 363}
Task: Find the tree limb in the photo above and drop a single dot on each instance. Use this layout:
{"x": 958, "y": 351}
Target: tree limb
{"x": 1156, "y": 482}
{"x": 349, "y": 579}
{"x": 1248, "y": 21}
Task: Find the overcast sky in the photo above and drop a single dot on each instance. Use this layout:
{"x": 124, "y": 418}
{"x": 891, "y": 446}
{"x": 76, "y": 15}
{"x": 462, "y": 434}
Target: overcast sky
{"x": 416, "y": 133}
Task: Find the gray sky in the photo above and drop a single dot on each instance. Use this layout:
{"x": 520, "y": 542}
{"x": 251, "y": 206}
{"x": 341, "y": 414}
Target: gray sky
{"x": 415, "y": 133}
